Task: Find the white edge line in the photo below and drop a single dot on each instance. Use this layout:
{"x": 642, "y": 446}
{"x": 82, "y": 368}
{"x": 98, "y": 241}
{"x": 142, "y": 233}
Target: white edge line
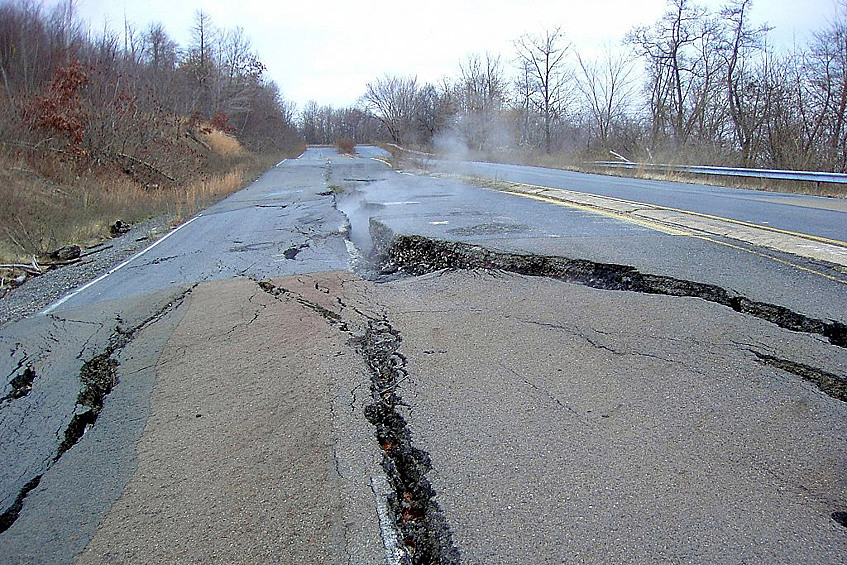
{"x": 281, "y": 162}
{"x": 114, "y": 269}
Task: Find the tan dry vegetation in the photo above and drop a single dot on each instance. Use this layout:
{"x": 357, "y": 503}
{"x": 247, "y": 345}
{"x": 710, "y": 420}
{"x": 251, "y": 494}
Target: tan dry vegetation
{"x": 345, "y": 146}
{"x": 222, "y": 144}
{"x": 38, "y": 215}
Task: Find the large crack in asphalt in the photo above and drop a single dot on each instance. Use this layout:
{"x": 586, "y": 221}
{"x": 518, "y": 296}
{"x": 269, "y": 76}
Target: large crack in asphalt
{"x": 21, "y": 384}
{"x": 419, "y": 255}
{"x": 833, "y": 385}
{"x": 425, "y": 533}
{"x": 98, "y": 377}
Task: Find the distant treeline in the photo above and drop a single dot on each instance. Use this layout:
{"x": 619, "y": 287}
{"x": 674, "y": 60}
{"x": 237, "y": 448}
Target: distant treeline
{"x": 696, "y": 86}
{"x": 135, "y": 97}
{"x": 128, "y": 125}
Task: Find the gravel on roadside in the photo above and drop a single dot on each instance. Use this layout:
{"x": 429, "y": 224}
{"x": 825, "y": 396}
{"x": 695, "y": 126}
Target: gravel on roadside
{"x": 38, "y": 292}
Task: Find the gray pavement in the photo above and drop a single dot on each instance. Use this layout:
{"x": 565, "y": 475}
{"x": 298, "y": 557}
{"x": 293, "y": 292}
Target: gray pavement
{"x": 574, "y": 425}
{"x": 177, "y": 410}
{"x": 820, "y": 216}
{"x": 284, "y": 223}
{"x": 450, "y": 210}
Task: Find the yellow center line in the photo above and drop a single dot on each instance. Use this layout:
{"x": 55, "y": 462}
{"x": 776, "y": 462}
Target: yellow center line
{"x": 772, "y": 258}
{"x": 816, "y": 238}
{"x": 384, "y": 162}
{"x": 598, "y": 210}
{"x": 672, "y": 231}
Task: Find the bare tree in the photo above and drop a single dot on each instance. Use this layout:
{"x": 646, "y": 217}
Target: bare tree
{"x": 607, "y": 88}
{"x": 479, "y": 97}
{"x": 543, "y": 58}
{"x": 160, "y": 51}
{"x": 681, "y": 62}
{"x": 825, "y": 84}
{"x": 394, "y": 101}
{"x": 738, "y": 44}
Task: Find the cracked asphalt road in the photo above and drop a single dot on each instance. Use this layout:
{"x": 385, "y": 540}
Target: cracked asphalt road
{"x": 510, "y": 418}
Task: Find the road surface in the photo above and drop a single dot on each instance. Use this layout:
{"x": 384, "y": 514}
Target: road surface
{"x": 767, "y": 208}
{"x": 347, "y": 363}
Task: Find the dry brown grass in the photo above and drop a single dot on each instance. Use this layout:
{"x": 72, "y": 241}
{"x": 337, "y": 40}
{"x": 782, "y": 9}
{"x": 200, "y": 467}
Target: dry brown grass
{"x": 223, "y": 145}
{"x": 38, "y": 215}
{"x": 345, "y": 146}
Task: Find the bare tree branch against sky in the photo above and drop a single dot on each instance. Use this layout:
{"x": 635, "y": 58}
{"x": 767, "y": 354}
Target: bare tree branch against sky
{"x": 329, "y": 51}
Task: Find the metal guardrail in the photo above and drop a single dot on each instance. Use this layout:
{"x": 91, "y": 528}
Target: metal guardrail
{"x": 806, "y": 176}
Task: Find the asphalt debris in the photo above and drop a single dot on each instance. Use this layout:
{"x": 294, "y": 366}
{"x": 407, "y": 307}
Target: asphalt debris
{"x": 21, "y": 385}
{"x": 98, "y": 377}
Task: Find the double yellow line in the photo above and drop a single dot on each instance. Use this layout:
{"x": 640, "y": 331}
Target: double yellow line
{"x": 598, "y": 210}
{"x": 673, "y": 231}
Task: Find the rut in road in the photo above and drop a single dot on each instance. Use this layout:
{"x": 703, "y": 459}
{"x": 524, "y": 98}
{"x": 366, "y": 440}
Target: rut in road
{"x": 425, "y": 532}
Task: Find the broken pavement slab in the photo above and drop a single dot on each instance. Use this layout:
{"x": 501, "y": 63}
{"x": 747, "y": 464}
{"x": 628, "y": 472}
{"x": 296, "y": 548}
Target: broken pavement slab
{"x": 570, "y": 424}
{"x": 251, "y": 453}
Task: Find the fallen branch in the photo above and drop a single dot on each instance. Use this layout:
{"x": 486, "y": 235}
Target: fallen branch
{"x": 190, "y": 135}
{"x": 145, "y": 164}
{"x": 64, "y": 263}
{"x": 23, "y": 267}
{"x": 93, "y": 251}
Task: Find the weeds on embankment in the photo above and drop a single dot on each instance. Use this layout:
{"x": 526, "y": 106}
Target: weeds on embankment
{"x": 48, "y": 201}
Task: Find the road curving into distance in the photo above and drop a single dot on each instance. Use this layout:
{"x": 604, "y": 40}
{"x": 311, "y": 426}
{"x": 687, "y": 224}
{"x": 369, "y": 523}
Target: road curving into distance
{"x": 343, "y": 363}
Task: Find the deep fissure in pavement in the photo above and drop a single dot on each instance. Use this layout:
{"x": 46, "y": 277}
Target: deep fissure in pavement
{"x": 98, "y": 377}
{"x": 21, "y": 384}
{"x": 418, "y": 255}
{"x": 424, "y": 529}
{"x": 831, "y": 384}
{"x": 12, "y": 512}
{"x": 426, "y": 534}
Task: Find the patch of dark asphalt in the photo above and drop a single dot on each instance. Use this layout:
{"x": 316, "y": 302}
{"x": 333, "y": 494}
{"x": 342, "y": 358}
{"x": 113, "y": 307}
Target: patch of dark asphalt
{"x": 292, "y": 252}
{"x": 21, "y": 385}
{"x": 98, "y": 377}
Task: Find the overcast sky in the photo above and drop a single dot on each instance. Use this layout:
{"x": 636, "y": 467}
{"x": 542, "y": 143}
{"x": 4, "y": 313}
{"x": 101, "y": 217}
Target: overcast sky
{"x": 327, "y": 50}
